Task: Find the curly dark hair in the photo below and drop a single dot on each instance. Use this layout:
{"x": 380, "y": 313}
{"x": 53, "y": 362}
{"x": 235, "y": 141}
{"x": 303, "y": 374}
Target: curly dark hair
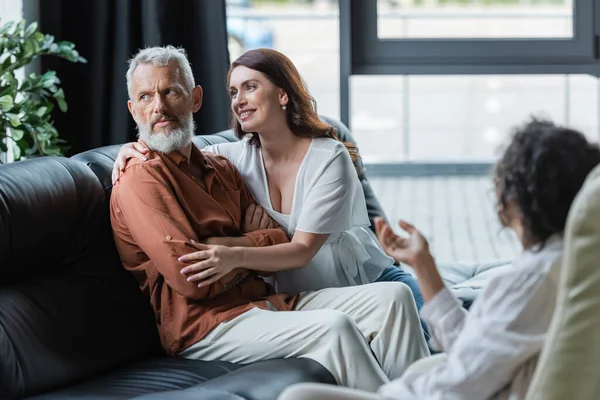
{"x": 541, "y": 171}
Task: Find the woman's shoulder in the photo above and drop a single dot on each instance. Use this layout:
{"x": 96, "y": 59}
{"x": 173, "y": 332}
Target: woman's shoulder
{"x": 327, "y": 145}
{"x": 230, "y": 148}
{"x": 531, "y": 268}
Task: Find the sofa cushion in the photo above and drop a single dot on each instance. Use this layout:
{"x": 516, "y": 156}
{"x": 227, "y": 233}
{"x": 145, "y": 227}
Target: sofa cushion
{"x": 68, "y": 310}
{"x": 568, "y": 365}
{"x": 157, "y": 374}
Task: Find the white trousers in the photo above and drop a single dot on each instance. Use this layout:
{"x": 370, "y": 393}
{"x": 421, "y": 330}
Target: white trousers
{"x": 320, "y": 391}
{"x": 364, "y": 335}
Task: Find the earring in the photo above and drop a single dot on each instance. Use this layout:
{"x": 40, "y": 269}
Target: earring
{"x": 283, "y": 107}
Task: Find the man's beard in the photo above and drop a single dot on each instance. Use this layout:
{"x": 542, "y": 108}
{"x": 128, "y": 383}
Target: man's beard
{"x": 170, "y": 139}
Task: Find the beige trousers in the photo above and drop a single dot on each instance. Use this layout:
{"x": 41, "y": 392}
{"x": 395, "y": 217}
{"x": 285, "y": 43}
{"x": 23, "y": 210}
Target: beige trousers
{"x": 320, "y": 391}
{"x": 364, "y": 335}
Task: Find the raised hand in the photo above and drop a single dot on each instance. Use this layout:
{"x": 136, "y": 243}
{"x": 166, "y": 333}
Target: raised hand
{"x": 411, "y": 250}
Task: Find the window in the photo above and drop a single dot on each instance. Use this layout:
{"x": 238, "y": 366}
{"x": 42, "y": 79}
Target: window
{"x": 443, "y": 81}
{"x": 10, "y": 10}
{"x": 461, "y": 118}
{"x": 516, "y": 19}
{"x": 472, "y": 37}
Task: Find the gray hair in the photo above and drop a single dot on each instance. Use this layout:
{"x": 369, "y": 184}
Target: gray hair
{"x": 161, "y": 57}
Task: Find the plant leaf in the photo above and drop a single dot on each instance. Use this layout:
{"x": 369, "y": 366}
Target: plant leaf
{"x": 6, "y": 27}
{"x": 59, "y": 94}
{"x": 31, "y": 29}
{"x": 17, "y": 134}
{"x": 17, "y": 152}
{"x": 43, "y": 136}
{"x": 20, "y": 26}
{"x": 6, "y": 102}
{"x": 29, "y": 49}
{"x": 14, "y": 119}
{"x": 41, "y": 111}
{"x": 60, "y": 99}
{"x": 48, "y": 80}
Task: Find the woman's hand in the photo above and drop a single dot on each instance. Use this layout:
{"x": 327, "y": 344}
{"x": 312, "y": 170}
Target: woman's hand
{"x": 127, "y": 151}
{"x": 210, "y": 263}
{"x": 413, "y": 250}
{"x": 256, "y": 218}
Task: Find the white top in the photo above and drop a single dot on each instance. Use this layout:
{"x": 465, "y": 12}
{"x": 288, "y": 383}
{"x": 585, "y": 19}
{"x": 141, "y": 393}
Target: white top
{"x": 493, "y": 350}
{"x": 328, "y": 198}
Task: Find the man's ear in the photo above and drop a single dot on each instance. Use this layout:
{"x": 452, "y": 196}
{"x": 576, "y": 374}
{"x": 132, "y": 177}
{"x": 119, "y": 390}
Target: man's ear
{"x": 197, "y": 97}
{"x": 131, "y": 109}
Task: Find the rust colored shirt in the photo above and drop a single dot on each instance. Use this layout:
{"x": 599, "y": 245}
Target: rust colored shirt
{"x": 157, "y": 207}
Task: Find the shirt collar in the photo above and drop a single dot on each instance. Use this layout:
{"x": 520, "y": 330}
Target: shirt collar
{"x": 181, "y": 155}
{"x": 197, "y": 153}
{"x": 184, "y": 154}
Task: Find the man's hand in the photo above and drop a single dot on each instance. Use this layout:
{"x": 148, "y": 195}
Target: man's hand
{"x": 413, "y": 250}
{"x": 256, "y": 218}
{"x": 210, "y": 263}
{"x": 219, "y": 241}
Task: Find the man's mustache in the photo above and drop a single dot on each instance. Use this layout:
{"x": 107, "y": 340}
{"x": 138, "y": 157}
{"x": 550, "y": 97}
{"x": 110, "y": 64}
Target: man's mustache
{"x": 164, "y": 117}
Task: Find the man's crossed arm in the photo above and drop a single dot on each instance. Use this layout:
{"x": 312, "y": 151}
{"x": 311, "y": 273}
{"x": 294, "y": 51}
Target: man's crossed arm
{"x": 147, "y": 208}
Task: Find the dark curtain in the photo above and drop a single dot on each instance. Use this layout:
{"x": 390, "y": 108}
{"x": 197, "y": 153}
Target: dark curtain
{"x": 107, "y": 33}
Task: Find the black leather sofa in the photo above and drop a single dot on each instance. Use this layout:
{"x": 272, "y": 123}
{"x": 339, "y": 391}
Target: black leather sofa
{"x": 73, "y": 323}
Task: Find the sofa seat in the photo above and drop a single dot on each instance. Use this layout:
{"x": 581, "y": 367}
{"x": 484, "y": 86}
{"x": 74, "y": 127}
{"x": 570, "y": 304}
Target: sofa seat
{"x": 179, "y": 378}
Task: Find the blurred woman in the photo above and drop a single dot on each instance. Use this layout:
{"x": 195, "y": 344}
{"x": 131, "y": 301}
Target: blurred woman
{"x": 492, "y": 352}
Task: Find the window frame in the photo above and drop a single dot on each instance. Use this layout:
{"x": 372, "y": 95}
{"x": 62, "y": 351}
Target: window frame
{"x": 371, "y": 55}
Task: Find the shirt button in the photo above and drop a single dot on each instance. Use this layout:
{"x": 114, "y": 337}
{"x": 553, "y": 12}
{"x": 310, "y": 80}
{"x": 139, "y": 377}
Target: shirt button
{"x": 168, "y": 237}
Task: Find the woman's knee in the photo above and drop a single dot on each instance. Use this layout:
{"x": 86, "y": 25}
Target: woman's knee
{"x": 393, "y": 292}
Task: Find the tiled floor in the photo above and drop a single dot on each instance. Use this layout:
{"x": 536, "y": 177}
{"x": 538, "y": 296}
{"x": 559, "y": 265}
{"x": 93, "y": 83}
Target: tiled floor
{"x": 456, "y": 213}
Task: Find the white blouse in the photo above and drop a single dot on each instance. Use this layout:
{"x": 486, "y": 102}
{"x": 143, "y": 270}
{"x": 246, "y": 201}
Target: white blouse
{"x": 492, "y": 351}
{"x": 328, "y": 198}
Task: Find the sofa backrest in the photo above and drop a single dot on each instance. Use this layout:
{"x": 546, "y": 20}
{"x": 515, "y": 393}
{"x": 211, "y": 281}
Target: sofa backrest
{"x": 569, "y": 366}
{"x": 68, "y": 310}
{"x": 374, "y": 208}
{"x": 101, "y": 159}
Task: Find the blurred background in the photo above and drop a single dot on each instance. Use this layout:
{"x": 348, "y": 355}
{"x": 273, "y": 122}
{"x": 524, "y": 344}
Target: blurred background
{"x": 424, "y": 118}
{"x": 427, "y": 133}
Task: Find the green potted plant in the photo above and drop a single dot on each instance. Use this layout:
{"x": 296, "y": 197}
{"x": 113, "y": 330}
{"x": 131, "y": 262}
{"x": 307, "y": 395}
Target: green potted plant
{"x": 26, "y": 104}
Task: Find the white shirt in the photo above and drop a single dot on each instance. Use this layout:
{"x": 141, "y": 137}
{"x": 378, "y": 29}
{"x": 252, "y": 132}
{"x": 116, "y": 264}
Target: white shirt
{"x": 493, "y": 350}
{"x": 328, "y": 198}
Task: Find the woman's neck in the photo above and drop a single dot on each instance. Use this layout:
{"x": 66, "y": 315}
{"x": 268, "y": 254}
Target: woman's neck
{"x": 281, "y": 146}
